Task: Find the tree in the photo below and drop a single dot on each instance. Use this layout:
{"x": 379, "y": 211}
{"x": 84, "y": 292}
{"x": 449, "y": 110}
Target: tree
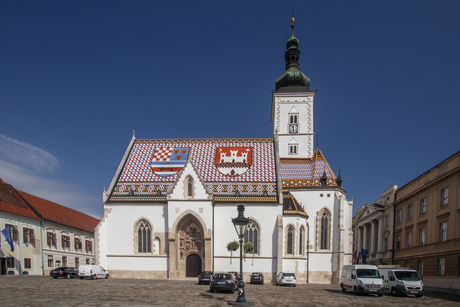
{"x": 231, "y": 247}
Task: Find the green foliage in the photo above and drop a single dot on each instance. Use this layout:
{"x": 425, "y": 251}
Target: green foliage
{"x": 248, "y": 247}
{"x": 231, "y": 247}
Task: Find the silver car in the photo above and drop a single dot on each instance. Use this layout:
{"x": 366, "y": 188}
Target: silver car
{"x": 284, "y": 278}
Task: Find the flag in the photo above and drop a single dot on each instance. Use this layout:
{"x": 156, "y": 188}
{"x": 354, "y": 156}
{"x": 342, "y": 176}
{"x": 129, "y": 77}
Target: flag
{"x": 7, "y": 234}
{"x": 364, "y": 255}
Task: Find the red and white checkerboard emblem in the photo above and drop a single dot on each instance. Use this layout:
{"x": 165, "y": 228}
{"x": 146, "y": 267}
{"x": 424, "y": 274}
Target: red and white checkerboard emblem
{"x": 168, "y": 161}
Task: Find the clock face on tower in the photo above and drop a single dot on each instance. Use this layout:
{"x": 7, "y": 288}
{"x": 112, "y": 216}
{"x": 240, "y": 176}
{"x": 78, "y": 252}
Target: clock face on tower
{"x": 293, "y": 128}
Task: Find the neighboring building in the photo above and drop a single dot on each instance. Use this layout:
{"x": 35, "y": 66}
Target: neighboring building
{"x": 168, "y": 209}
{"x": 427, "y": 235}
{"x": 373, "y": 229}
{"x": 420, "y": 225}
{"x": 68, "y": 235}
{"x": 45, "y": 234}
{"x": 24, "y": 226}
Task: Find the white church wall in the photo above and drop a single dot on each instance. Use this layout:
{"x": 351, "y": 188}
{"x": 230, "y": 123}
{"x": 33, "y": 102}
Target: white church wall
{"x": 123, "y": 219}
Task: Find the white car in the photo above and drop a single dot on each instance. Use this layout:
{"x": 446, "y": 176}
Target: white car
{"x": 285, "y": 278}
{"x": 92, "y": 271}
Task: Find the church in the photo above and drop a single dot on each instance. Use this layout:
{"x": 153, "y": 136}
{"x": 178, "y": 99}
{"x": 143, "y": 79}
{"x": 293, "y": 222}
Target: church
{"x": 169, "y": 208}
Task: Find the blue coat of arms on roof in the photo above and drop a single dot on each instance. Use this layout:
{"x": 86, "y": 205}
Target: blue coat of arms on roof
{"x": 168, "y": 161}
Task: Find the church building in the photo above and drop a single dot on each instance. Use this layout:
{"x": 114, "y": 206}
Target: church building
{"x": 169, "y": 208}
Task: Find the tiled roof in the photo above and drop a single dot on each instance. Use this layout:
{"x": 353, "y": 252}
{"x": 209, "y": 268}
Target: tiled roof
{"x": 298, "y": 172}
{"x": 241, "y": 167}
{"x": 291, "y": 206}
{"x": 59, "y": 214}
{"x": 11, "y": 202}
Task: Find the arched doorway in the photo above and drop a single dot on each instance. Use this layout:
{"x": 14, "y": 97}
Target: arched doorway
{"x": 193, "y": 265}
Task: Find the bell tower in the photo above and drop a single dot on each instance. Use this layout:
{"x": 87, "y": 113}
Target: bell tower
{"x": 292, "y": 106}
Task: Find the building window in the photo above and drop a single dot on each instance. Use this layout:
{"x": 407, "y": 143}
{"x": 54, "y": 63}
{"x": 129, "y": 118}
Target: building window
{"x": 423, "y": 205}
{"x": 301, "y": 239}
{"x": 27, "y": 263}
{"x": 77, "y": 262}
{"x": 252, "y": 235}
{"x": 189, "y": 186}
{"x": 77, "y": 243}
{"x": 88, "y": 246}
{"x": 399, "y": 216}
{"x": 290, "y": 236}
{"x": 407, "y": 264}
{"x": 28, "y": 235}
{"x": 387, "y": 221}
{"x": 144, "y": 237}
{"x": 444, "y": 196}
{"x": 420, "y": 267}
{"x": 293, "y": 118}
{"x": 325, "y": 221}
{"x": 87, "y": 260}
{"x": 293, "y": 149}
{"x": 65, "y": 241}
{"x": 385, "y": 245}
{"x": 409, "y": 212}
{"x": 443, "y": 232}
{"x": 51, "y": 238}
{"x": 441, "y": 266}
{"x": 398, "y": 242}
{"x": 409, "y": 239}
{"x": 422, "y": 237}
{"x": 64, "y": 261}
{"x": 10, "y": 262}
{"x": 50, "y": 261}
{"x": 14, "y": 231}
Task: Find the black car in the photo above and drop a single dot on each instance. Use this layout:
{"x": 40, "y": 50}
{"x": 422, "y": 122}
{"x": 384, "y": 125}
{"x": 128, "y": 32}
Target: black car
{"x": 222, "y": 282}
{"x": 205, "y": 277}
{"x": 257, "y": 278}
{"x": 66, "y": 272}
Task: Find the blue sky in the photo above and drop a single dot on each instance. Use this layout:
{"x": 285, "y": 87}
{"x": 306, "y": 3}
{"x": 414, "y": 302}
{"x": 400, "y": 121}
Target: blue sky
{"x": 77, "y": 77}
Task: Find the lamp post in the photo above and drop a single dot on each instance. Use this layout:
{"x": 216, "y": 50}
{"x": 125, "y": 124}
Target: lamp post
{"x": 240, "y": 224}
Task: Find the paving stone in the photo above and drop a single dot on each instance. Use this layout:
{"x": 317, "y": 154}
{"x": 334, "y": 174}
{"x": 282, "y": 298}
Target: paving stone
{"x": 46, "y": 291}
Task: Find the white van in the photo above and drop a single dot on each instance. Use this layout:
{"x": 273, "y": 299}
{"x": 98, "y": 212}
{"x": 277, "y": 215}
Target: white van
{"x": 92, "y": 271}
{"x": 402, "y": 281}
{"x": 361, "y": 278}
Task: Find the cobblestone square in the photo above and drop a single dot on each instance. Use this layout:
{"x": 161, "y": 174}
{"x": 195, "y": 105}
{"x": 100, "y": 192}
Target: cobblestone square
{"x": 46, "y": 291}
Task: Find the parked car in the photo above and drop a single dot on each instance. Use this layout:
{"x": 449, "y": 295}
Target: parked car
{"x": 205, "y": 277}
{"x": 236, "y": 274}
{"x": 92, "y": 271}
{"x": 66, "y": 272}
{"x": 222, "y": 282}
{"x": 284, "y": 278}
{"x": 361, "y": 278}
{"x": 402, "y": 281}
{"x": 257, "y": 278}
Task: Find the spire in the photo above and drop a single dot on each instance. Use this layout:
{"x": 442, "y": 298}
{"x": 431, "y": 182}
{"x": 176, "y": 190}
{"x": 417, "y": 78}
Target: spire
{"x": 293, "y": 80}
{"x": 339, "y": 179}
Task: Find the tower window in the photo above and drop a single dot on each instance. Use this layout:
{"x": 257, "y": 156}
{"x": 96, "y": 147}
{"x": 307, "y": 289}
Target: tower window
{"x": 292, "y": 149}
{"x": 293, "y": 119}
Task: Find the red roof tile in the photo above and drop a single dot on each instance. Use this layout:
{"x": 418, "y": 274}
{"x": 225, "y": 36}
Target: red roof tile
{"x": 59, "y": 214}
{"x": 11, "y": 202}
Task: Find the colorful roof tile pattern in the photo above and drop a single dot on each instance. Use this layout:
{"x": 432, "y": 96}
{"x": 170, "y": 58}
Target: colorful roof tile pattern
{"x": 299, "y": 172}
{"x": 291, "y": 206}
{"x": 241, "y": 167}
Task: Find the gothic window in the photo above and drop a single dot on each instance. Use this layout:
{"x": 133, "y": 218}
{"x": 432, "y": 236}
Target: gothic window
{"x": 290, "y": 236}
{"x": 324, "y": 229}
{"x": 301, "y": 239}
{"x": 252, "y": 235}
{"x": 189, "y": 186}
{"x": 144, "y": 237}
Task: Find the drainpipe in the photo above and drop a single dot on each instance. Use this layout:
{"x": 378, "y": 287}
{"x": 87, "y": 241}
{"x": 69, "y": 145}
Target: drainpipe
{"x": 42, "y": 222}
{"x": 308, "y": 250}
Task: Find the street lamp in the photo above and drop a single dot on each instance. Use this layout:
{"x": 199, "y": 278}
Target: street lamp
{"x": 240, "y": 224}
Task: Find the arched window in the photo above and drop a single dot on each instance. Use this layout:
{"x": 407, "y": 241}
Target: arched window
{"x": 301, "y": 239}
{"x": 189, "y": 186}
{"x": 144, "y": 237}
{"x": 290, "y": 237}
{"x": 252, "y": 235}
{"x": 325, "y": 232}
